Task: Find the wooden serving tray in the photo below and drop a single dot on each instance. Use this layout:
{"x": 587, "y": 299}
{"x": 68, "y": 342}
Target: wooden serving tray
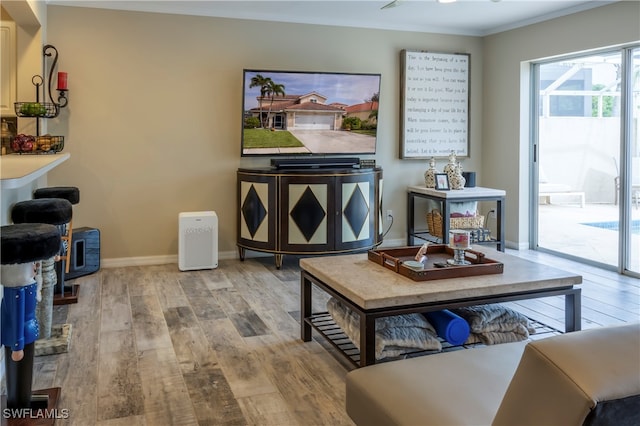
{"x": 394, "y": 259}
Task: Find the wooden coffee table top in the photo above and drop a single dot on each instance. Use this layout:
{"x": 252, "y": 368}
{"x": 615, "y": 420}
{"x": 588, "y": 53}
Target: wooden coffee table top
{"x": 373, "y": 286}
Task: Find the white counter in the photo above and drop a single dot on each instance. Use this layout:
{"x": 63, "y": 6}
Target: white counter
{"x": 20, "y": 175}
{"x": 18, "y": 170}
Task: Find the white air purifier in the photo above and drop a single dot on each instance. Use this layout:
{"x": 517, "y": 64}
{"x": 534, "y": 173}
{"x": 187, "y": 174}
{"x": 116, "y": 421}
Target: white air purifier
{"x": 197, "y": 240}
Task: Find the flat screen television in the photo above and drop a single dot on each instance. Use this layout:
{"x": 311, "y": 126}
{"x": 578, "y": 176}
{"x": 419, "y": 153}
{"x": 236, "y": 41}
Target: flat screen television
{"x": 298, "y": 113}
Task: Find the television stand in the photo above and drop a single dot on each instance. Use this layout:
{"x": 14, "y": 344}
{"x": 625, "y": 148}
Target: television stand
{"x": 301, "y": 211}
{"x": 315, "y": 163}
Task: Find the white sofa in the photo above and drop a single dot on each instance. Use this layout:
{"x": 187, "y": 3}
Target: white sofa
{"x": 589, "y": 377}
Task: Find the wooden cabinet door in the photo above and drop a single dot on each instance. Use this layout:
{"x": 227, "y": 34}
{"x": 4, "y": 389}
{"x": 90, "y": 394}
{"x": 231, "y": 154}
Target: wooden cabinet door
{"x": 357, "y": 204}
{"x": 257, "y": 218}
{"x": 308, "y": 213}
{"x": 8, "y": 68}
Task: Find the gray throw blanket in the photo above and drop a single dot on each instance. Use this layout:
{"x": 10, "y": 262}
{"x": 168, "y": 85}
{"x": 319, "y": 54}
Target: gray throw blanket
{"x": 494, "y": 323}
{"x": 395, "y": 335}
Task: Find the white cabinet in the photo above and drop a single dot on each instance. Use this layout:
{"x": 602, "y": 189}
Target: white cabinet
{"x": 8, "y": 68}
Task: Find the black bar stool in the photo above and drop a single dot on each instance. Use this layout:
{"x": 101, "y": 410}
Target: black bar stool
{"x": 22, "y": 246}
{"x": 71, "y": 194}
{"x": 53, "y": 211}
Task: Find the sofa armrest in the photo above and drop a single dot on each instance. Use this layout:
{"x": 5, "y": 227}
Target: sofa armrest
{"x": 463, "y": 387}
{"x": 561, "y": 379}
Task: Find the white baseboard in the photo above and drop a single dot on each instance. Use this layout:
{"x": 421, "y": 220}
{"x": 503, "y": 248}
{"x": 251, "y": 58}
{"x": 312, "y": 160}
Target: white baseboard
{"x": 396, "y": 242}
{"x": 119, "y": 262}
{"x": 517, "y": 246}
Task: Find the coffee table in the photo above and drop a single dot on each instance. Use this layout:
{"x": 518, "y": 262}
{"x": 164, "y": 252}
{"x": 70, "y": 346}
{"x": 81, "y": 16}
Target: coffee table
{"x": 373, "y": 291}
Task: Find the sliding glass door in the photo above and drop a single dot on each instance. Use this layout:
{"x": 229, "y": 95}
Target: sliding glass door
{"x": 631, "y": 151}
{"x": 586, "y": 148}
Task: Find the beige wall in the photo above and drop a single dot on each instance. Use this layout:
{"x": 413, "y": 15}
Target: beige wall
{"x": 154, "y": 116}
{"x": 153, "y": 122}
{"x": 505, "y": 126}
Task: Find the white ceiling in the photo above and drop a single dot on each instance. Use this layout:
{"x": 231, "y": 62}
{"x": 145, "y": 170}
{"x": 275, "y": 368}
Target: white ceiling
{"x": 464, "y": 17}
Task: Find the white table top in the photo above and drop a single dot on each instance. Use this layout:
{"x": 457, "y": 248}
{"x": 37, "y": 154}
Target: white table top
{"x": 370, "y": 285}
{"x": 477, "y": 191}
{"x": 18, "y": 170}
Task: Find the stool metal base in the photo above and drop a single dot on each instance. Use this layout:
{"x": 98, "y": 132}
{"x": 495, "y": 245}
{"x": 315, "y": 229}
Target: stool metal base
{"x": 70, "y": 295}
{"x": 64, "y": 294}
{"x": 40, "y": 416}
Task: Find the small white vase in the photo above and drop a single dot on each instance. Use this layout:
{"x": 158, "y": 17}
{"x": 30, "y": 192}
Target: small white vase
{"x": 450, "y": 168}
{"x": 457, "y": 181}
{"x": 430, "y": 174}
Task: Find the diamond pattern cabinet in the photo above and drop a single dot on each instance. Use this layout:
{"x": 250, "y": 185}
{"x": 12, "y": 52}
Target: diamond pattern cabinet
{"x": 257, "y": 210}
{"x": 320, "y": 211}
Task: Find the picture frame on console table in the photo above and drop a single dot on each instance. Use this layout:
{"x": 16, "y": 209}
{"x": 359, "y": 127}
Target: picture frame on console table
{"x": 434, "y": 110}
{"x": 442, "y": 182}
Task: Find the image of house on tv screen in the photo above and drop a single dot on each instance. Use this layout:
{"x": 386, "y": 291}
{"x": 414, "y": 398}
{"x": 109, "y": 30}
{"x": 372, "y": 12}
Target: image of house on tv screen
{"x": 298, "y": 113}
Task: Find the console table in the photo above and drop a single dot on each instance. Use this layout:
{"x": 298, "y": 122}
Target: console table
{"x": 445, "y": 198}
{"x": 301, "y": 211}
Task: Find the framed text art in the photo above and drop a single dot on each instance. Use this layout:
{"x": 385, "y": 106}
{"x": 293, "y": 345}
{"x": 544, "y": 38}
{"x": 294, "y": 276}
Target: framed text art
{"x": 434, "y": 110}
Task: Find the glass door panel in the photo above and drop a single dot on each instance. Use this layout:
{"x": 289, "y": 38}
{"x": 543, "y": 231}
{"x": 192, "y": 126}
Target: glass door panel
{"x": 578, "y": 151}
{"x": 633, "y": 260}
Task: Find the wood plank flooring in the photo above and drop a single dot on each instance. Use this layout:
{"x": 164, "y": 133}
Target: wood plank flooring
{"x": 155, "y": 346}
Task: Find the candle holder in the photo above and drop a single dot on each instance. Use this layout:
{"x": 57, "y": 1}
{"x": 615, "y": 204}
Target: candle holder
{"x": 459, "y": 241}
{"x": 458, "y": 258}
{"x": 62, "y": 89}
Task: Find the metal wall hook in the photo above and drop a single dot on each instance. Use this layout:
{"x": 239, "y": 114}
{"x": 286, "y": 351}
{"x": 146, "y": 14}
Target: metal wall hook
{"x": 62, "y": 96}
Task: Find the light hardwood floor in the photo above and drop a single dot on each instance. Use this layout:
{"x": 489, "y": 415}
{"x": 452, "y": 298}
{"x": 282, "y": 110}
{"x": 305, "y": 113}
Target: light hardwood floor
{"x": 155, "y": 346}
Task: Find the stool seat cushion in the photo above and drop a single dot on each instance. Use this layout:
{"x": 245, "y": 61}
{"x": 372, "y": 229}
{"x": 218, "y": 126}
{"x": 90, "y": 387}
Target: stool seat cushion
{"x": 69, "y": 193}
{"x": 54, "y": 211}
{"x": 28, "y": 242}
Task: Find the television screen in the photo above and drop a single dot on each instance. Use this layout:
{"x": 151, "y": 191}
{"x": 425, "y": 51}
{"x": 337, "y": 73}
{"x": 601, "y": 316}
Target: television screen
{"x": 309, "y": 113}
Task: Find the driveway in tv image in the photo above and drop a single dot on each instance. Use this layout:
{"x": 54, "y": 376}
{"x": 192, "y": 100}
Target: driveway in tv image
{"x": 323, "y": 142}
{"x": 331, "y": 141}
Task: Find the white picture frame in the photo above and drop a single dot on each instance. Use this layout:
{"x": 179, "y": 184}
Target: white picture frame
{"x": 434, "y": 110}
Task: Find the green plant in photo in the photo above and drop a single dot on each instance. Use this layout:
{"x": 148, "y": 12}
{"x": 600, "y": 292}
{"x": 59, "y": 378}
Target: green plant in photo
{"x": 251, "y": 122}
{"x": 264, "y": 138}
{"x": 351, "y": 123}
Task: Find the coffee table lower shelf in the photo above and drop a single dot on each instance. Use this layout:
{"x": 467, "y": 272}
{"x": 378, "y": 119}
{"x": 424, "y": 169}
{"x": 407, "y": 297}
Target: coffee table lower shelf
{"x": 324, "y": 324}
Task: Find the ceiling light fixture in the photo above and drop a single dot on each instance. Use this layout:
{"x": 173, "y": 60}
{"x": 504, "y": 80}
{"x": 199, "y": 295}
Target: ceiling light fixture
{"x": 394, "y": 3}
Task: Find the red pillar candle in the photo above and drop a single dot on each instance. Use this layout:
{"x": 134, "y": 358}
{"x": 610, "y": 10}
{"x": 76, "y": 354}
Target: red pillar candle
{"x": 62, "y": 81}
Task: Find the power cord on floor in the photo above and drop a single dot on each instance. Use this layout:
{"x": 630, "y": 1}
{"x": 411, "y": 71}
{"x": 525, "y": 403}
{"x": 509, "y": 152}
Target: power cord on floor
{"x": 389, "y": 228}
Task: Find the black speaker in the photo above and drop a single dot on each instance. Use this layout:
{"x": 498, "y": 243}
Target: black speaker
{"x": 85, "y": 252}
{"x": 470, "y": 179}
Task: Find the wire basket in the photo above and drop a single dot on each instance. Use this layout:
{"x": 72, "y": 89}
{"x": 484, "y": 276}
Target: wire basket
{"x": 46, "y": 144}
{"x": 434, "y": 222}
{"x": 36, "y": 109}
